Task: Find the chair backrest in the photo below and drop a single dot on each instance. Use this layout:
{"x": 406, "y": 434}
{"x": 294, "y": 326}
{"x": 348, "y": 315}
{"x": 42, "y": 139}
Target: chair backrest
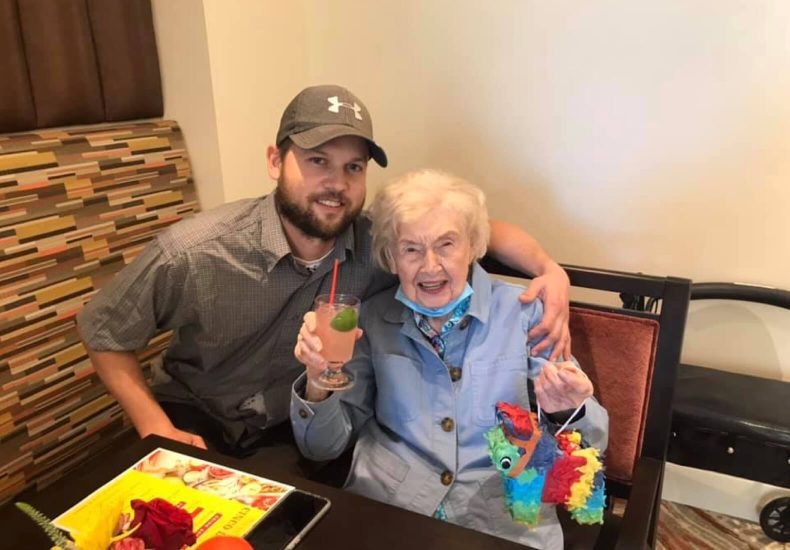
{"x": 632, "y": 358}
{"x": 76, "y": 206}
{"x": 618, "y": 353}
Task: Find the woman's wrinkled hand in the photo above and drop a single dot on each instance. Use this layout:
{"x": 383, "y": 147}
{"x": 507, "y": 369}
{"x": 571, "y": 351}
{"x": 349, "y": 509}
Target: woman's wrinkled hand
{"x": 561, "y": 387}
{"x": 308, "y": 352}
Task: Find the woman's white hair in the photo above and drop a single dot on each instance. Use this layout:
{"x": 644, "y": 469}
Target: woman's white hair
{"x": 413, "y": 196}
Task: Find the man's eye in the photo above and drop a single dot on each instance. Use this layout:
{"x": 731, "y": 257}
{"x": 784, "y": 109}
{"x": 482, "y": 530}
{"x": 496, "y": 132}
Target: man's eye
{"x": 356, "y": 168}
{"x": 318, "y": 161}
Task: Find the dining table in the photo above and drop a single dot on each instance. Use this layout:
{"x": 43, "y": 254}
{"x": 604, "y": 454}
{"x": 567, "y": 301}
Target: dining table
{"x": 352, "y": 522}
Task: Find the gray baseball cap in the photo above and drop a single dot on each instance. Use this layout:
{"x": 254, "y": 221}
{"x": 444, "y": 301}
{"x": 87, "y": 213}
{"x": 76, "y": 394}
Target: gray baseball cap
{"x": 322, "y": 113}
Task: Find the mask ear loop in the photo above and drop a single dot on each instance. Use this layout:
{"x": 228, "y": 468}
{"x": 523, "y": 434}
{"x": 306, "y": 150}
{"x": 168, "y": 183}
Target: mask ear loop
{"x": 567, "y": 422}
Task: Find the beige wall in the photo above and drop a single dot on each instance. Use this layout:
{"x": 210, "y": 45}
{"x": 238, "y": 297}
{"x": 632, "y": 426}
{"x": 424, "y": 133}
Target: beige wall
{"x": 188, "y": 95}
{"x": 258, "y": 58}
{"x": 627, "y": 134}
{"x": 227, "y": 69}
{"x": 641, "y": 135}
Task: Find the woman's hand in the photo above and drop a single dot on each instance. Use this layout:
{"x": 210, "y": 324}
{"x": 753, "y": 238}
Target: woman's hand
{"x": 561, "y": 387}
{"x": 552, "y": 288}
{"x": 308, "y": 352}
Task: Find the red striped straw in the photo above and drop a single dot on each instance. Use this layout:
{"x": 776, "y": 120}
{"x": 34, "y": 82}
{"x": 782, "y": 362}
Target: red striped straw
{"x": 334, "y": 282}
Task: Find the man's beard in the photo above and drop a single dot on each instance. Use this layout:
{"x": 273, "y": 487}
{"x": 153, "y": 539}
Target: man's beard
{"x": 307, "y": 222}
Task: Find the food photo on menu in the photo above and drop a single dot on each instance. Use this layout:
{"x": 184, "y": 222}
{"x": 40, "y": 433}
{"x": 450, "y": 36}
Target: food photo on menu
{"x": 166, "y": 501}
{"x": 216, "y": 480}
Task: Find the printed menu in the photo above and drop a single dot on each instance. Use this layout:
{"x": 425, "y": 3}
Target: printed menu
{"x": 222, "y": 501}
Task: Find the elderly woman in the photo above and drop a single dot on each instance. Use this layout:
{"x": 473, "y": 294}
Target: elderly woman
{"x": 435, "y": 357}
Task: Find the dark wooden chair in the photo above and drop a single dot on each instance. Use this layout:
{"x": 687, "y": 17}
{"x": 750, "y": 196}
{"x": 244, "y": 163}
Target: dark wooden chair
{"x": 632, "y": 358}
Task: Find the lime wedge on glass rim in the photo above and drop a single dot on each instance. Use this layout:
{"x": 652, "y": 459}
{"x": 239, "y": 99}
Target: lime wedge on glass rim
{"x": 345, "y": 320}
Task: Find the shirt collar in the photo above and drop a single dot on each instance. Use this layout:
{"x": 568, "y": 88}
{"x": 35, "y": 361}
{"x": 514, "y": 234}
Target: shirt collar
{"x": 275, "y": 244}
{"x": 480, "y": 306}
{"x": 347, "y": 241}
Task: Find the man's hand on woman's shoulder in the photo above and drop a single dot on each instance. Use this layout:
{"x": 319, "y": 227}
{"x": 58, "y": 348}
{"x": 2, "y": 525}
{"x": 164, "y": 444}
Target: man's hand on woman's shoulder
{"x": 552, "y": 288}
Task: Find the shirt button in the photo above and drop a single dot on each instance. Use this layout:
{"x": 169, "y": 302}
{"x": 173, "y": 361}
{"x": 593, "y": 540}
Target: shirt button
{"x": 446, "y": 477}
{"x": 455, "y": 374}
{"x": 464, "y": 323}
{"x": 302, "y": 413}
{"x": 448, "y": 424}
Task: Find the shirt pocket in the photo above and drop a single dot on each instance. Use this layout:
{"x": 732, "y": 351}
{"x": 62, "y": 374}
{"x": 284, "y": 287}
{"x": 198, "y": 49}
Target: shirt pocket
{"x": 502, "y": 378}
{"x": 376, "y": 472}
{"x": 399, "y": 389}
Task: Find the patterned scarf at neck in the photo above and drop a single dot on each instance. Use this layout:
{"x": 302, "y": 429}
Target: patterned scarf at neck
{"x": 438, "y": 339}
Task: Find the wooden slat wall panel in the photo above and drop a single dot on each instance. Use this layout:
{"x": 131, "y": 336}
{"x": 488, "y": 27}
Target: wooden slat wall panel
{"x": 76, "y": 206}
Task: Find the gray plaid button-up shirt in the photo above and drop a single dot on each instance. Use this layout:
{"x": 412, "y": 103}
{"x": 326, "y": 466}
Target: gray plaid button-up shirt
{"x": 226, "y": 283}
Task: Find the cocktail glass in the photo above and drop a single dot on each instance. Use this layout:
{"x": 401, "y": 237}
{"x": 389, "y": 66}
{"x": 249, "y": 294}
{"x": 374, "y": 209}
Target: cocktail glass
{"x": 336, "y": 325}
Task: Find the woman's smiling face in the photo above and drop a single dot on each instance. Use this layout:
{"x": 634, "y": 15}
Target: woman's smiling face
{"x": 432, "y": 257}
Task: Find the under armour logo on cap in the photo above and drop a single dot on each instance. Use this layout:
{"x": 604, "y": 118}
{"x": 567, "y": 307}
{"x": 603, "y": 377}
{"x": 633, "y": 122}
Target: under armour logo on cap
{"x": 335, "y": 104}
{"x": 314, "y": 117}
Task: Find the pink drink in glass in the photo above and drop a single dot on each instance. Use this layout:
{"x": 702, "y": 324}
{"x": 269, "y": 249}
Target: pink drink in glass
{"x": 336, "y": 325}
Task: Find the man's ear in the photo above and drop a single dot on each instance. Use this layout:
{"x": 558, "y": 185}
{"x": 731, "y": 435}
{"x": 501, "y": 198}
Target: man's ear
{"x": 274, "y": 162}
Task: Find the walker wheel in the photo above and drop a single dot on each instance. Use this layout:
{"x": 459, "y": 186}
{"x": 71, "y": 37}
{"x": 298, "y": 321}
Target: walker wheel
{"x": 775, "y": 519}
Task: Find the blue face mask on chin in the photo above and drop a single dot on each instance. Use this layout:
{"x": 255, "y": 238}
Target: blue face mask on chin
{"x": 434, "y": 312}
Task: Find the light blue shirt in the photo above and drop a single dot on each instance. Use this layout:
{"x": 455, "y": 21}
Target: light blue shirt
{"x": 402, "y": 394}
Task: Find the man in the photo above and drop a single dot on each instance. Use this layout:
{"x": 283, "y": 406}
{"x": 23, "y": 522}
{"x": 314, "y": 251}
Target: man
{"x": 234, "y": 282}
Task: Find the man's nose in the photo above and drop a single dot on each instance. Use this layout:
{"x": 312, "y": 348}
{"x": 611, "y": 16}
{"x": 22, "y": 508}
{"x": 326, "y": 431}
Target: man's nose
{"x": 336, "y": 179}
